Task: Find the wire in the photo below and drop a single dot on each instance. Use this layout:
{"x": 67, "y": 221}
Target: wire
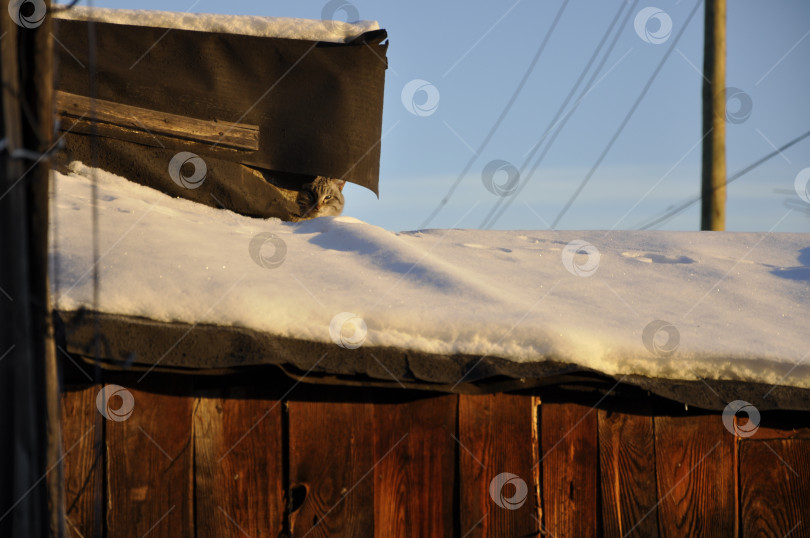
{"x": 565, "y": 119}
{"x": 626, "y": 118}
{"x": 66, "y": 7}
{"x": 673, "y": 212}
{"x": 500, "y": 119}
{"x": 98, "y": 373}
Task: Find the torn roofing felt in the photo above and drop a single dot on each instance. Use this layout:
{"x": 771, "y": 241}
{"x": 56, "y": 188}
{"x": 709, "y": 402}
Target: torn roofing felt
{"x": 255, "y": 108}
{"x": 697, "y": 316}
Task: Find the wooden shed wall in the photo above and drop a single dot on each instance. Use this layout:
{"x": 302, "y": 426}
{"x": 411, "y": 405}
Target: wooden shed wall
{"x": 210, "y": 457}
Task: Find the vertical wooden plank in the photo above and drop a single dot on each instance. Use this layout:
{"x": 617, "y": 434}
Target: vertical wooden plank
{"x": 238, "y": 472}
{"x": 570, "y": 458}
{"x": 331, "y": 458}
{"x": 774, "y": 489}
{"x": 83, "y": 462}
{"x": 31, "y": 499}
{"x": 694, "y": 458}
{"x": 149, "y": 461}
{"x": 414, "y": 472}
{"x": 495, "y": 437}
{"x": 627, "y": 469}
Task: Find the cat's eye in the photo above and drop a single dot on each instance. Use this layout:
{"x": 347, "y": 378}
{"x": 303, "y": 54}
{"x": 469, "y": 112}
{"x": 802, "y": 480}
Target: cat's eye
{"x": 328, "y": 197}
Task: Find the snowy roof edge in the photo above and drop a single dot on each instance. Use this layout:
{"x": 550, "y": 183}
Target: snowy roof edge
{"x": 278, "y": 27}
{"x": 233, "y": 349}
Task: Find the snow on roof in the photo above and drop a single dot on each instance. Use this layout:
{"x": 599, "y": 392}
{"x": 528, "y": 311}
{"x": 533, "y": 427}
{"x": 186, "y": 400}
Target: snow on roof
{"x": 669, "y": 305}
{"x": 313, "y": 30}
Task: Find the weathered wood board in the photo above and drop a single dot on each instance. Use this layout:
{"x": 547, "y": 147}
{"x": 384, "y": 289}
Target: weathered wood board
{"x": 414, "y": 471}
{"x": 331, "y": 468}
{"x": 695, "y": 462}
{"x": 82, "y": 434}
{"x": 220, "y": 459}
{"x": 627, "y": 475}
{"x": 774, "y": 487}
{"x": 149, "y": 463}
{"x": 81, "y": 114}
{"x": 238, "y": 467}
{"x": 495, "y": 436}
{"x": 569, "y": 454}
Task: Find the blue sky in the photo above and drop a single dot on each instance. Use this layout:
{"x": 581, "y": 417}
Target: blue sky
{"x": 474, "y": 55}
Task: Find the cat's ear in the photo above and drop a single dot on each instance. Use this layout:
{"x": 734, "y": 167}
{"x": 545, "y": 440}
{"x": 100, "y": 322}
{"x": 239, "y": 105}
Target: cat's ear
{"x": 340, "y": 184}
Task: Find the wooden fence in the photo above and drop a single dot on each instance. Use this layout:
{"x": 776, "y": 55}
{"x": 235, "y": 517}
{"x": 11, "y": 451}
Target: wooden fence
{"x": 259, "y": 456}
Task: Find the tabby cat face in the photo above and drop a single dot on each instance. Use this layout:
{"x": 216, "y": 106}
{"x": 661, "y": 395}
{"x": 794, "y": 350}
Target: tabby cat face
{"x": 323, "y": 197}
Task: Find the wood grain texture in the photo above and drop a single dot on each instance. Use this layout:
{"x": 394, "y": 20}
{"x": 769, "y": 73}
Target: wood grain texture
{"x": 695, "y": 475}
{"x": 627, "y": 469}
{"x": 149, "y": 463}
{"x": 238, "y": 471}
{"x": 494, "y": 437}
{"x": 778, "y": 425}
{"x": 149, "y": 127}
{"x": 774, "y": 488}
{"x": 765, "y": 433}
{"x": 569, "y": 456}
{"x": 331, "y": 457}
{"x": 414, "y": 472}
{"x": 83, "y": 462}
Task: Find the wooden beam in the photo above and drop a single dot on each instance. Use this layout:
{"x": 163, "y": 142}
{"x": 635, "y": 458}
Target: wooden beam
{"x": 150, "y": 127}
{"x": 713, "y": 205}
{"x": 31, "y": 503}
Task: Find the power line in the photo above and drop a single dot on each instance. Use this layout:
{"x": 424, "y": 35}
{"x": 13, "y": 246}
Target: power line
{"x": 489, "y": 221}
{"x": 673, "y": 212}
{"x": 626, "y": 118}
{"x": 66, "y": 7}
{"x": 500, "y": 119}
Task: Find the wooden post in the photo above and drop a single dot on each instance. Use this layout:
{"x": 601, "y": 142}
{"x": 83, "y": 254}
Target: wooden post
{"x": 713, "y": 208}
{"x": 30, "y": 474}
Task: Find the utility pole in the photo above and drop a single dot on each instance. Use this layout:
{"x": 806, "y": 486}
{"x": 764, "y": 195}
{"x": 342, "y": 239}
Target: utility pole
{"x": 31, "y": 491}
{"x": 713, "y": 205}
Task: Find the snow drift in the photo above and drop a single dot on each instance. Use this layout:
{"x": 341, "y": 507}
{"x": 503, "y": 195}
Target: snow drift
{"x": 722, "y": 306}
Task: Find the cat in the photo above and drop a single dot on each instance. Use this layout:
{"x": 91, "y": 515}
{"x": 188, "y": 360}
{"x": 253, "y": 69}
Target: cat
{"x": 323, "y": 197}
